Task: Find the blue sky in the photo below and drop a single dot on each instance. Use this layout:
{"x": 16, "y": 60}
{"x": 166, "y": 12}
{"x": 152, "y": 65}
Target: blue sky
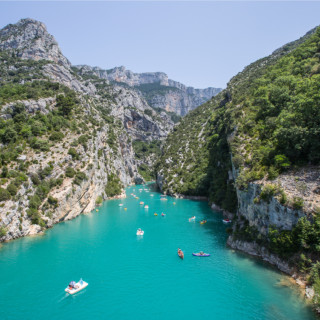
{"x": 200, "y": 44}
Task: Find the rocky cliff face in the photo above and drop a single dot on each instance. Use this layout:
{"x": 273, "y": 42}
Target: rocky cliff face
{"x": 156, "y": 87}
{"x": 29, "y": 40}
{"x": 66, "y": 142}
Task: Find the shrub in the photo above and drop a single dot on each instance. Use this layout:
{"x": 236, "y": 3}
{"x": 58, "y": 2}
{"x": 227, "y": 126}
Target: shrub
{"x": 65, "y": 105}
{"x": 34, "y": 202}
{"x": 80, "y": 176}
{"x": 3, "y": 232}
{"x": 56, "y": 136}
{"x": 35, "y": 179}
{"x": 268, "y": 192}
{"x": 70, "y": 172}
{"x": 99, "y": 200}
{"x": 35, "y": 217}
{"x": 73, "y": 152}
{"x": 39, "y": 144}
{"x": 12, "y": 189}
{"x": 42, "y": 190}
{"x": 297, "y": 203}
{"x": 4, "y": 195}
{"x": 52, "y": 201}
{"x": 282, "y": 162}
{"x": 45, "y": 172}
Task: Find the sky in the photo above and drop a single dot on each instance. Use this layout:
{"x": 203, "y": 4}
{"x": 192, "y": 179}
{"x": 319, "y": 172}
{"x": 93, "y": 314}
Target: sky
{"x": 200, "y": 44}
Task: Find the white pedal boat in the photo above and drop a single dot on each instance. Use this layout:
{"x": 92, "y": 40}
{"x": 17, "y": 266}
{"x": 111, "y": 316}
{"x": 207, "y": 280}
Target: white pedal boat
{"x": 140, "y": 232}
{"x": 76, "y": 287}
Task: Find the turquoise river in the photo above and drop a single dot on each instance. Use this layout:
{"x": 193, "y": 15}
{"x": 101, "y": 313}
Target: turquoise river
{"x": 133, "y": 277}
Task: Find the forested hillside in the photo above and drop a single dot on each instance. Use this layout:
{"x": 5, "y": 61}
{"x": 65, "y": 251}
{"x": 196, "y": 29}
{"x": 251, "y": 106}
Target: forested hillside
{"x": 254, "y": 150}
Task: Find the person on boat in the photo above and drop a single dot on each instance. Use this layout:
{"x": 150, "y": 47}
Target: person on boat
{"x": 201, "y": 253}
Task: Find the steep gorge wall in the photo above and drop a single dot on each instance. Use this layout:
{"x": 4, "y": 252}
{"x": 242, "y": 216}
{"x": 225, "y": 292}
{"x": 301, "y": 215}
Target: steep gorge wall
{"x": 62, "y": 165}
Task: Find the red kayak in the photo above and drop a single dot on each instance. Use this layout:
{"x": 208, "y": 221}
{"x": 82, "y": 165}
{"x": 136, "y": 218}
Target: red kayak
{"x": 180, "y": 254}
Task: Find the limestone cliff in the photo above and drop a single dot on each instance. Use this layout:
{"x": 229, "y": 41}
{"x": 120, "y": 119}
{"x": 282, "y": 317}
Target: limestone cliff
{"x": 66, "y": 142}
{"x": 156, "y": 88}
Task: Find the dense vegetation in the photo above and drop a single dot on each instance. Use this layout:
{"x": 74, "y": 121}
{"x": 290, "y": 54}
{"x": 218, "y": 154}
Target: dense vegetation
{"x": 266, "y": 122}
{"x": 147, "y": 152}
{"x": 114, "y": 186}
{"x": 268, "y": 118}
{"x": 279, "y": 124}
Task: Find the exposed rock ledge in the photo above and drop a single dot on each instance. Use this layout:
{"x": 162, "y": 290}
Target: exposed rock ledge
{"x": 254, "y": 249}
{"x": 182, "y": 196}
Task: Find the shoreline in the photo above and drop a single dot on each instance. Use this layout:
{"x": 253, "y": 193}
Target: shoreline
{"x": 254, "y": 251}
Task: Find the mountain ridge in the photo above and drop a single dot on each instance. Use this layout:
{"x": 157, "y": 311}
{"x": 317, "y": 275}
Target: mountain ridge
{"x": 182, "y": 99}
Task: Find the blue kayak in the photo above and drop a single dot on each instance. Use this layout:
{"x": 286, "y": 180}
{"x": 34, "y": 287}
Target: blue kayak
{"x": 201, "y": 255}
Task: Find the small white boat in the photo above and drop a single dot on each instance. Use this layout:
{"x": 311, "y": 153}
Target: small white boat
{"x": 146, "y": 206}
{"x": 151, "y": 195}
{"x": 74, "y": 287}
{"x": 140, "y": 232}
{"x": 226, "y": 221}
{"x": 192, "y": 219}
{"x": 141, "y": 202}
{"x": 120, "y": 204}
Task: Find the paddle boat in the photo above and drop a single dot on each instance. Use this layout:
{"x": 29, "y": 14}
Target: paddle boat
{"x": 125, "y": 209}
{"x": 74, "y": 287}
{"x": 155, "y": 214}
{"x": 151, "y": 195}
{"x": 97, "y": 210}
{"x": 146, "y": 206}
{"x": 174, "y": 203}
{"x": 141, "y": 202}
{"x": 140, "y": 232}
{"x": 226, "y": 221}
{"x": 192, "y": 219}
{"x": 201, "y": 254}
{"x": 203, "y": 221}
{"x": 180, "y": 253}
{"x": 162, "y": 214}
{"x": 120, "y": 204}
{"x": 163, "y": 198}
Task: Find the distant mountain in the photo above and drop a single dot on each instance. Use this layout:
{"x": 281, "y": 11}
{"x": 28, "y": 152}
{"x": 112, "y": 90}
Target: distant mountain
{"x": 156, "y": 88}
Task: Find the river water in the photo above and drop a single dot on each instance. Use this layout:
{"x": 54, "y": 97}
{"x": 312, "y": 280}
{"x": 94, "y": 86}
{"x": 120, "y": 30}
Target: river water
{"x": 132, "y": 277}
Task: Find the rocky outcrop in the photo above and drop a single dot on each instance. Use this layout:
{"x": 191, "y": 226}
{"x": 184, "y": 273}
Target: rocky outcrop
{"x": 43, "y": 105}
{"x": 29, "y": 39}
{"x": 264, "y": 214}
{"x": 256, "y": 250}
{"x": 139, "y": 119}
{"x": 156, "y": 87}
